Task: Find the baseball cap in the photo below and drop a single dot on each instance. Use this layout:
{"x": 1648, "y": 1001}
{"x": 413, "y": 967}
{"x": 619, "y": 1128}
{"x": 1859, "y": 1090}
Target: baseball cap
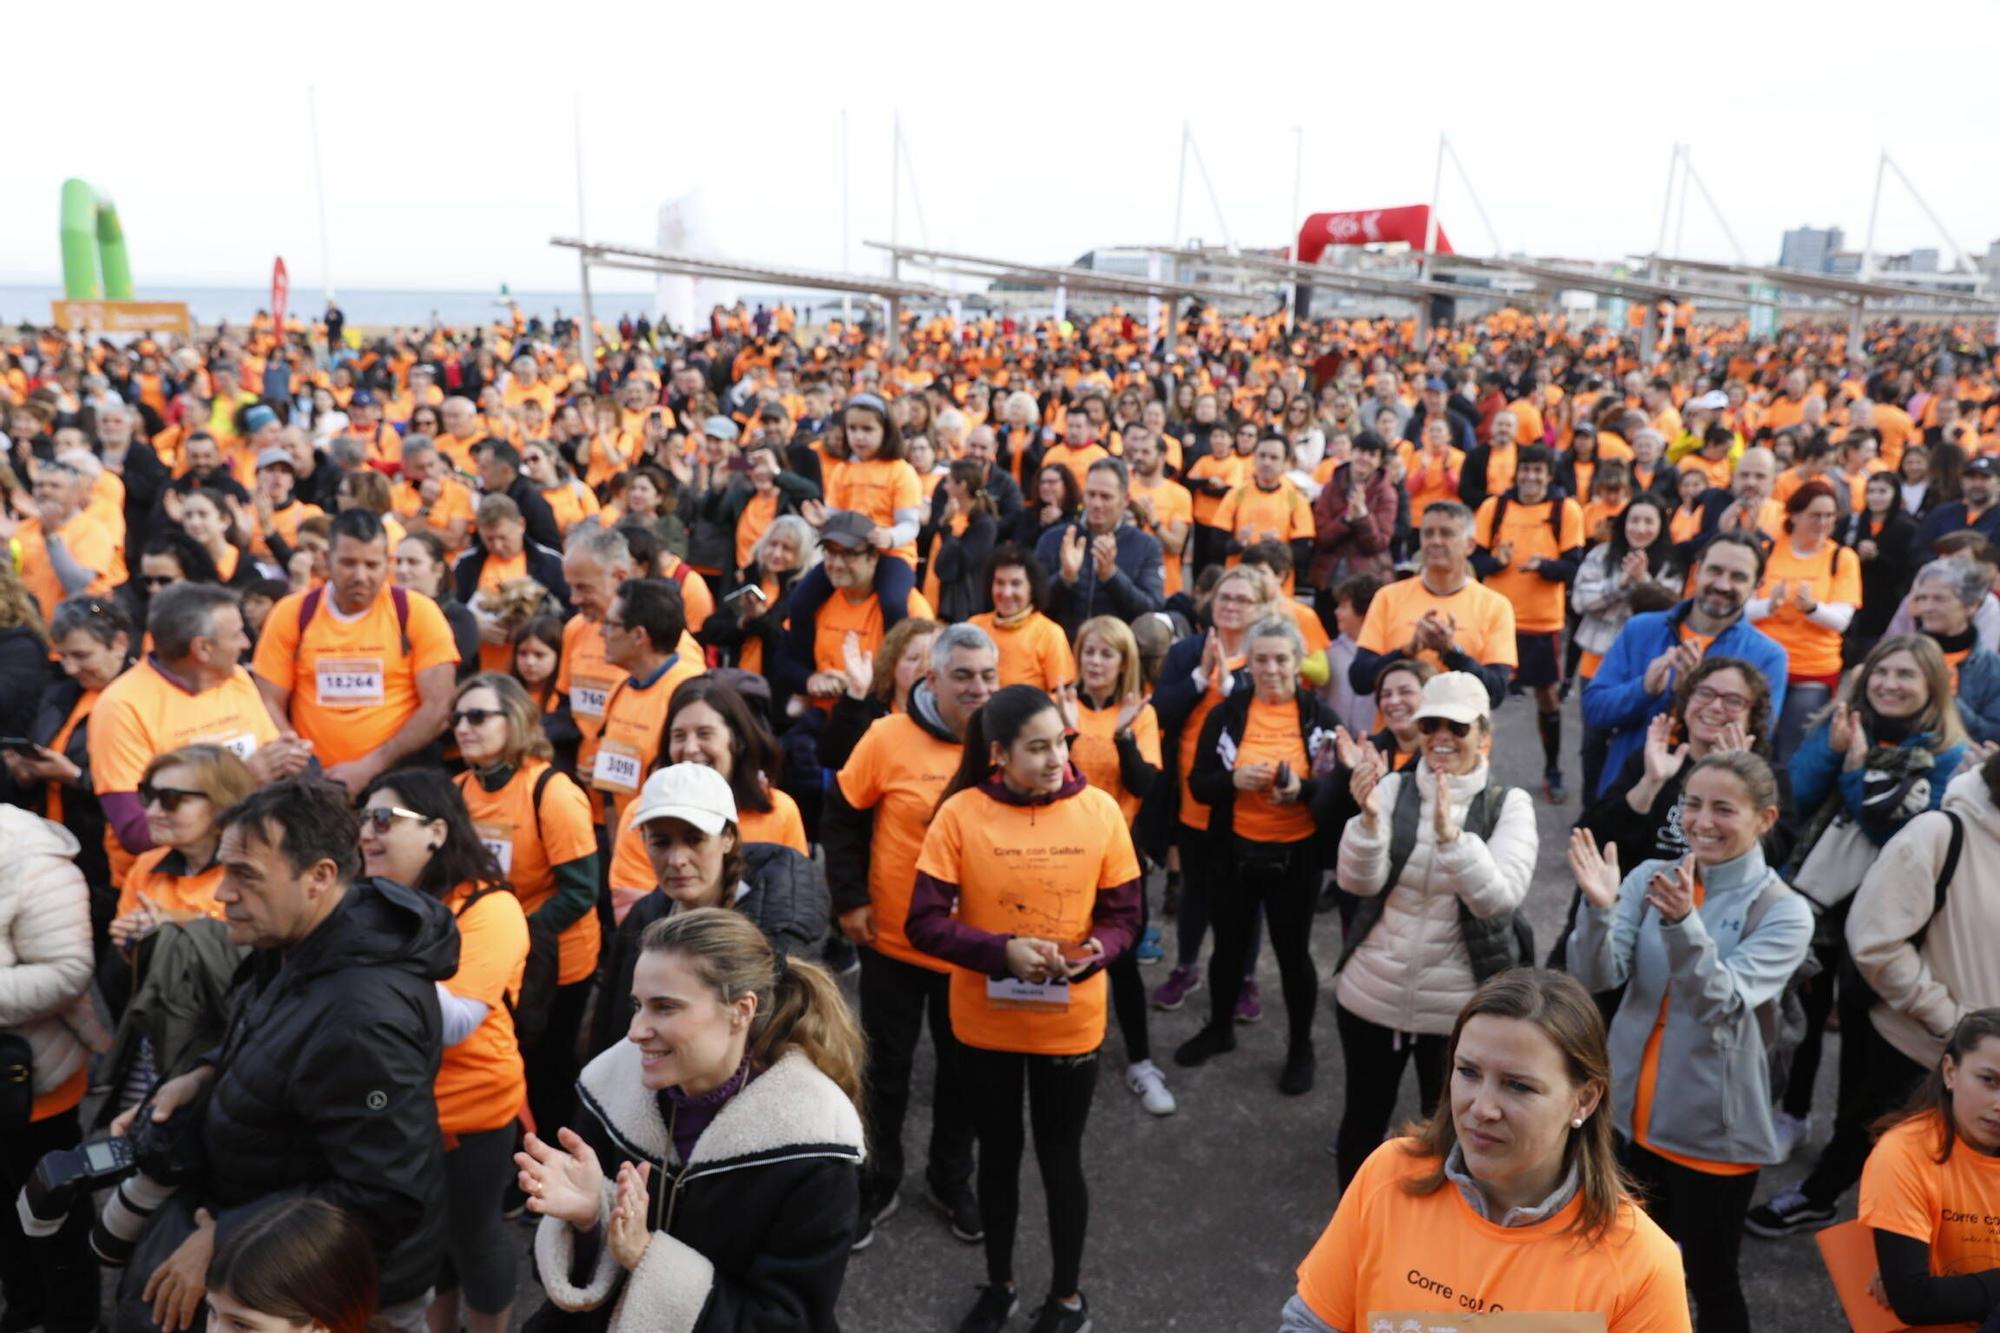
{"x": 259, "y": 417}
{"x": 719, "y": 427}
{"x": 692, "y": 793}
{"x": 361, "y": 398}
{"x": 1712, "y": 401}
{"x": 275, "y": 456}
{"x": 1455, "y": 696}
{"x": 1984, "y": 466}
{"x": 1436, "y": 382}
{"x": 847, "y": 530}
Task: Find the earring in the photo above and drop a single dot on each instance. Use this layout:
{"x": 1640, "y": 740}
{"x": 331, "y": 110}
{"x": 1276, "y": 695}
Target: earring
{"x": 1576, "y": 1123}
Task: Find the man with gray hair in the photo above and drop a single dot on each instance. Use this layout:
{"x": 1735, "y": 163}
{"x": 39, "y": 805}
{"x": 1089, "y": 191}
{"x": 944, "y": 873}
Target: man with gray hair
{"x": 595, "y": 563}
{"x": 429, "y": 499}
{"x": 134, "y": 463}
{"x": 190, "y": 690}
{"x": 1947, "y": 594}
{"x": 877, "y": 810}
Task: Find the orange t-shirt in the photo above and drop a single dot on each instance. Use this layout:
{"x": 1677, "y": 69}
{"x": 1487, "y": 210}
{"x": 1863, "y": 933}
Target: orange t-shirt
{"x": 1271, "y": 736}
{"x": 1077, "y": 460}
{"x": 755, "y": 520}
{"x": 838, "y": 617}
{"x": 1538, "y": 602}
{"x": 499, "y": 656}
{"x": 1430, "y": 480}
{"x": 1094, "y": 749}
{"x": 877, "y": 488}
{"x": 88, "y": 542}
{"x": 1388, "y": 1251}
{"x": 1834, "y": 571}
{"x": 629, "y": 741}
{"x": 588, "y": 679}
{"x": 1033, "y": 870}
{"x": 898, "y": 770}
{"x": 144, "y": 713}
{"x": 1233, "y": 469}
{"x": 570, "y": 503}
{"x": 353, "y": 686}
{"x": 1485, "y": 620}
{"x": 481, "y": 1082}
{"x": 1717, "y": 470}
{"x": 1949, "y": 1205}
{"x": 530, "y": 844}
{"x": 1171, "y": 504}
{"x": 1033, "y": 652}
{"x": 453, "y": 502}
{"x": 178, "y": 897}
{"x": 1192, "y": 812}
{"x": 1252, "y": 514}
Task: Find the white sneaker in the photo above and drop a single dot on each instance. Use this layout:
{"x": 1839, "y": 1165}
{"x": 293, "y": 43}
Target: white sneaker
{"x": 1149, "y": 1085}
{"x": 1792, "y": 1131}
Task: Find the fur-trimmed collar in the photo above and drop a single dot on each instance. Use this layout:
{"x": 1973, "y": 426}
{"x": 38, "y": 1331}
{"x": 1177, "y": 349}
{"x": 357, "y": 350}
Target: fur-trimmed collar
{"x": 790, "y": 1110}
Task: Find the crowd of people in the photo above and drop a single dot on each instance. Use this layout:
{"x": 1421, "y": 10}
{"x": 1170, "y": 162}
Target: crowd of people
{"x": 447, "y": 779}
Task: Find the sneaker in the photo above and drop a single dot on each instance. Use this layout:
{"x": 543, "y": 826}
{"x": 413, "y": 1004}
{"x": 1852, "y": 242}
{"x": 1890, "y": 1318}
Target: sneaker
{"x": 1204, "y": 1045}
{"x": 1553, "y": 790}
{"x": 1297, "y": 1078}
{"x": 1149, "y": 1085}
{"x": 960, "y": 1207}
{"x": 840, "y": 957}
{"x": 1788, "y": 1213}
{"x": 997, "y": 1304}
{"x": 1148, "y": 949}
{"x": 1180, "y": 983}
{"x": 877, "y": 1207}
{"x": 1055, "y": 1317}
{"x": 1792, "y": 1131}
{"x": 1250, "y": 1004}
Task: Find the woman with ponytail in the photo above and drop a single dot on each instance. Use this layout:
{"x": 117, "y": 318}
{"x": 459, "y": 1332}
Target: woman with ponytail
{"x": 1041, "y": 867}
{"x": 714, "y": 1181}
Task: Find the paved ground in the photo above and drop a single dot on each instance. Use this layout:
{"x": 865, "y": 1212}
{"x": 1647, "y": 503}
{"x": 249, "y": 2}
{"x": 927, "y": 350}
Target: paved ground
{"x": 1198, "y": 1220}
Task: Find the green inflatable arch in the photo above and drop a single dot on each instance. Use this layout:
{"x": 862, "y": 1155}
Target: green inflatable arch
{"x": 93, "y": 242}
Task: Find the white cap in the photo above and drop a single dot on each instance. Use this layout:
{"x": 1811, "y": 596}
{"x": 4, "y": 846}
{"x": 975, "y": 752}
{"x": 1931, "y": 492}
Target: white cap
{"x": 1455, "y": 696}
{"x": 1712, "y": 401}
{"x": 692, "y": 793}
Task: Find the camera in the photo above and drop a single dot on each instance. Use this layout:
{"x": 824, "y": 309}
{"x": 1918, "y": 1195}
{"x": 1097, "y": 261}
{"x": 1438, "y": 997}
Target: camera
{"x": 147, "y": 1166}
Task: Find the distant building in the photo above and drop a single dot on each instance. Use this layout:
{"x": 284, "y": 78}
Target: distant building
{"x": 1810, "y": 249}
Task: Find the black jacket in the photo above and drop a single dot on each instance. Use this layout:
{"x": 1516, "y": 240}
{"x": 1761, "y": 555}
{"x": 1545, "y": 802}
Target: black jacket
{"x": 535, "y": 512}
{"x": 1211, "y": 782}
{"x": 323, "y": 1084}
{"x": 1887, "y": 577}
{"x": 1002, "y": 489}
{"x": 786, "y": 898}
{"x": 752, "y": 1234}
{"x": 81, "y": 814}
{"x": 959, "y": 564}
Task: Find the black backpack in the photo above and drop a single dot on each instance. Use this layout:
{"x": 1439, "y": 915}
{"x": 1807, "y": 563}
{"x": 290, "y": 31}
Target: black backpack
{"x": 1492, "y": 944}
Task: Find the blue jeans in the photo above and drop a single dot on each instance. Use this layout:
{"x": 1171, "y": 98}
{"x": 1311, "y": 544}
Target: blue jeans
{"x": 1803, "y": 698}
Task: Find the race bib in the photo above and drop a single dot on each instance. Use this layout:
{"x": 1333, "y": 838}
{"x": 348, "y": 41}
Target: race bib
{"x": 588, "y": 697}
{"x": 618, "y": 768}
{"x": 499, "y": 840}
{"x": 349, "y": 682}
{"x": 242, "y": 745}
{"x": 1014, "y": 993}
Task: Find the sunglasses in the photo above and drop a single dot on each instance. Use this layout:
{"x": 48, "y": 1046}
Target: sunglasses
{"x": 1427, "y": 725}
{"x": 169, "y": 798}
{"x": 156, "y": 580}
{"x": 478, "y": 717}
{"x": 380, "y": 817}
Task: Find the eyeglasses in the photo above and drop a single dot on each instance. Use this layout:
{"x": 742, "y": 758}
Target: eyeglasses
{"x": 1427, "y": 725}
{"x": 380, "y": 817}
{"x": 168, "y": 798}
{"x": 1703, "y": 697}
{"x": 478, "y": 717}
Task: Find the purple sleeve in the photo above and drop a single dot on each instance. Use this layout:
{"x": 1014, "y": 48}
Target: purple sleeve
{"x": 932, "y": 928}
{"x": 127, "y": 818}
{"x": 1115, "y": 919}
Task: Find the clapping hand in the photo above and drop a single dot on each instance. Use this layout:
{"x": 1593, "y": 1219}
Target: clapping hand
{"x": 858, "y": 663}
{"x": 628, "y": 1234}
{"x": 1129, "y": 709}
{"x": 1596, "y": 872}
{"x": 1074, "y": 547}
{"x": 564, "y": 1182}
{"x": 1104, "y": 553}
{"x": 1672, "y": 894}
{"x": 1443, "y": 822}
{"x": 1663, "y": 758}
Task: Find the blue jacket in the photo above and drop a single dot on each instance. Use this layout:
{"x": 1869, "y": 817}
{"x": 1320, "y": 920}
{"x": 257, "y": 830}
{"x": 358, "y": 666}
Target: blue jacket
{"x": 1817, "y": 771}
{"x": 1950, "y": 518}
{"x": 1979, "y": 693}
{"x": 1137, "y": 583}
{"x": 1616, "y": 698}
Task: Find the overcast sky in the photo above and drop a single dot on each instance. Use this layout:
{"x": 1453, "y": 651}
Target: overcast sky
{"x": 1037, "y": 131}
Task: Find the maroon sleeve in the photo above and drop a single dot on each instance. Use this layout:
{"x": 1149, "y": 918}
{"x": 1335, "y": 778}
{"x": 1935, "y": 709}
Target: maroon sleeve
{"x": 1115, "y": 919}
{"x": 932, "y": 928}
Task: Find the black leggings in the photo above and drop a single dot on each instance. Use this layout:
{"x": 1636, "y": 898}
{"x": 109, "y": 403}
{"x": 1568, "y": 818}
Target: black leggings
{"x": 1128, "y": 991}
{"x": 1373, "y": 1057}
{"x": 551, "y": 1062}
{"x": 478, "y": 1252}
{"x": 1875, "y": 1079}
{"x": 1703, "y": 1213}
{"x": 50, "y": 1281}
{"x": 1283, "y": 880}
{"x": 1059, "y": 1090}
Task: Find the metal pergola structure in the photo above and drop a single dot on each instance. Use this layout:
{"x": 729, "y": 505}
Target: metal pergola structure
{"x": 1856, "y": 294}
{"x": 1062, "y": 277}
{"x": 643, "y": 259}
{"x": 1415, "y": 290}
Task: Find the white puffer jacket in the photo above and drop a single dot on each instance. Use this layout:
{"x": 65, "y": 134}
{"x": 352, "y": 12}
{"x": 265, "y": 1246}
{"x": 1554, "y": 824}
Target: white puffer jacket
{"x": 1412, "y": 974}
{"x": 44, "y": 945}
